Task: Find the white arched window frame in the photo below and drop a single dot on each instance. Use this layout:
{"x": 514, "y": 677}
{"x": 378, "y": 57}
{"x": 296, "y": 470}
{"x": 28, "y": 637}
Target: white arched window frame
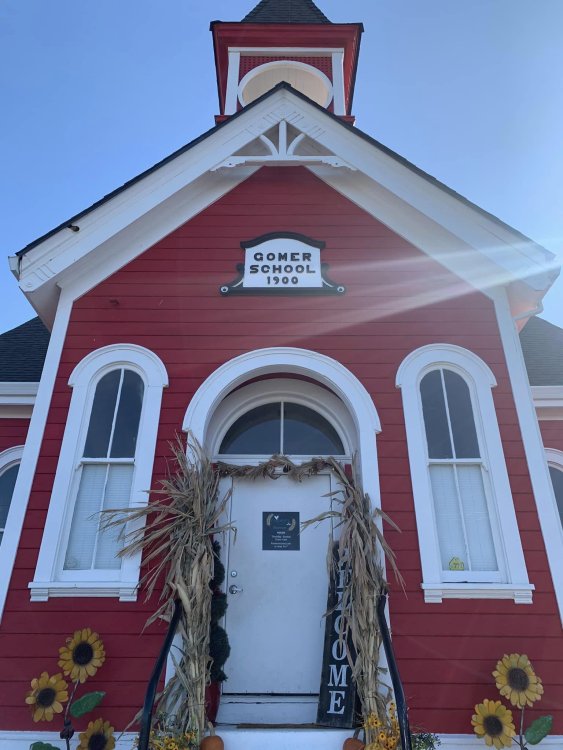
{"x": 314, "y": 74}
{"x": 511, "y": 579}
{"x": 273, "y": 390}
{"x": 50, "y": 577}
{"x": 8, "y": 459}
{"x": 555, "y": 461}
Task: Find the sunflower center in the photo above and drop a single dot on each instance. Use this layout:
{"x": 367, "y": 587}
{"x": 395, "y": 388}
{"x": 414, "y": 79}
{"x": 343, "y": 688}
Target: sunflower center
{"x": 83, "y": 654}
{"x": 518, "y": 679}
{"x": 46, "y": 697}
{"x": 493, "y": 726}
{"x": 97, "y": 742}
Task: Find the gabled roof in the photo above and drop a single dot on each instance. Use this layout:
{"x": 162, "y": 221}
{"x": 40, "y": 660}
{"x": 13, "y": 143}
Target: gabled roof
{"x": 22, "y": 352}
{"x": 285, "y": 11}
{"x": 472, "y": 243}
{"x": 542, "y": 345}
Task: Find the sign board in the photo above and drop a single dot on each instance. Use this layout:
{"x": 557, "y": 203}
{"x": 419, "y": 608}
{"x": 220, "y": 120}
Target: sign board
{"x": 337, "y": 694}
{"x": 285, "y": 263}
{"x": 280, "y": 531}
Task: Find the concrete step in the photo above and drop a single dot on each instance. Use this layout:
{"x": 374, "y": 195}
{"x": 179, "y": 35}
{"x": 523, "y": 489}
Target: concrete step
{"x": 282, "y": 738}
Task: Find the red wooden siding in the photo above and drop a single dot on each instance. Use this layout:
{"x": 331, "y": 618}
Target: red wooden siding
{"x": 552, "y": 433}
{"x": 249, "y": 62}
{"x": 12, "y": 432}
{"x": 397, "y": 300}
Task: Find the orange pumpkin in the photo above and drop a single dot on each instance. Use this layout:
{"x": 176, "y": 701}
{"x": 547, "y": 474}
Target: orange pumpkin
{"x": 353, "y": 743}
{"x": 213, "y": 742}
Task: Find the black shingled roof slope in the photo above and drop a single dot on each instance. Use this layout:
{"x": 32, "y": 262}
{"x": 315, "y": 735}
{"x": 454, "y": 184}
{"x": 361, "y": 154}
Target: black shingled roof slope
{"x": 542, "y": 344}
{"x": 285, "y": 11}
{"x": 22, "y": 352}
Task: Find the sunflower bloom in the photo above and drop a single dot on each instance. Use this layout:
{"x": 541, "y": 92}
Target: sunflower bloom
{"x": 517, "y": 681}
{"x": 47, "y": 696}
{"x": 493, "y": 722}
{"x": 82, "y": 656}
{"x": 98, "y": 736}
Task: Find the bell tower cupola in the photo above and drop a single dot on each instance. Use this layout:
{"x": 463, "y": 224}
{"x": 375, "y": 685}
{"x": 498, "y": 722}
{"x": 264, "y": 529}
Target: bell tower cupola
{"x": 291, "y": 41}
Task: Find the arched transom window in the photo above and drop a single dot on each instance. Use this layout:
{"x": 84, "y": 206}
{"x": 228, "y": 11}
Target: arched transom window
{"x": 283, "y": 416}
{"x": 282, "y": 427}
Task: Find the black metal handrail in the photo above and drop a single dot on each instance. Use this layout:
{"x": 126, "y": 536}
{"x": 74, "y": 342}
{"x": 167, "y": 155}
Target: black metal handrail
{"x": 402, "y": 708}
{"x": 146, "y": 718}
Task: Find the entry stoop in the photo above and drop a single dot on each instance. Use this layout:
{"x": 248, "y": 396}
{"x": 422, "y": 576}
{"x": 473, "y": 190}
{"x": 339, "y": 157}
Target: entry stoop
{"x": 282, "y": 738}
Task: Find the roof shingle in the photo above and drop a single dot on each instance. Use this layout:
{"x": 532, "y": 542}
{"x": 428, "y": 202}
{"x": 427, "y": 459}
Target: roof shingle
{"x": 285, "y": 11}
{"x": 22, "y": 352}
{"x": 542, "y": 345}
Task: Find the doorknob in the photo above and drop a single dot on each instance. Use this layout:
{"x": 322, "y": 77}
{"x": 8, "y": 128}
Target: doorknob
{"x": 234, "y": 589}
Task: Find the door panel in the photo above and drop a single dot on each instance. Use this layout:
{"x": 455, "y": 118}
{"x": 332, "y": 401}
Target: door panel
{"x": 275, "y": 624}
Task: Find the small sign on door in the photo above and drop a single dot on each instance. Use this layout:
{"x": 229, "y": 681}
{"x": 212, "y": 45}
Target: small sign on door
{"x": 280, "y": 531}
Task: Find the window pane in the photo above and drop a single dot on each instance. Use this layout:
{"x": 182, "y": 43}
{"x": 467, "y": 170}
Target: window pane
{"x": 307, "y": 433}
{"x": 85, "y": 520}
{"x": 118, "y": 494}
{"x": 435, "y": 418}
{"x": 448, "y": 516}
{"x": 7, "y": 483}
{"x": 101, "y": 418}
{"x": 128, "y": 415}
{"x": 461, "y": 416}
{"x": 257, "y": 431}
{"x": 477, "y": 520}
{"x": 557, "y": 481}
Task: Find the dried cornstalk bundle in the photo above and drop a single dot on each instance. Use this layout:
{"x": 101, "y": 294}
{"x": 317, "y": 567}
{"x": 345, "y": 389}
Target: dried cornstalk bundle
{"x": 360, "y": 545}
{"x": 177, "y": 545}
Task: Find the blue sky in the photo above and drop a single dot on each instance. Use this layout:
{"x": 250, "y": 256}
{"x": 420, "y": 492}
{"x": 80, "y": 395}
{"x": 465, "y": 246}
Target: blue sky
{"x": 92, "y": 94}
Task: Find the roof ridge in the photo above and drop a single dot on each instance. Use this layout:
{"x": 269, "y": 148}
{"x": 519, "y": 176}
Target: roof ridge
{"x": 285, "y": 11}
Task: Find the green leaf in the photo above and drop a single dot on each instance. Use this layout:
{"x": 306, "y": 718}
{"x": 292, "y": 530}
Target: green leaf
{"x": 538, "y": 729}
{"x": 85, "y": 704}
{"x": 42, "y": 746}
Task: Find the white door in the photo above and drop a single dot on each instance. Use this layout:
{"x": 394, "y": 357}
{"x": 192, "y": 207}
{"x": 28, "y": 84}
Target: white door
{"x": 275, "y": 620}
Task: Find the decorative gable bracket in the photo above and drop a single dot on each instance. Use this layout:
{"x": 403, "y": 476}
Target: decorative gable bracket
{"x": 283, "y": 144}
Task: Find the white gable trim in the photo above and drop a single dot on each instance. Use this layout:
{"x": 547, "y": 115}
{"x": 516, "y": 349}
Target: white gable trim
{"x": 32, "y": 447}
{"x": 533, "y": 446}
{"x": 135, "y": 218}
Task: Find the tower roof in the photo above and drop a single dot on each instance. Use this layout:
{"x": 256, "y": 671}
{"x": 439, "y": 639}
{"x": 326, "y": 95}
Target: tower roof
{"x": 285, "y": 11}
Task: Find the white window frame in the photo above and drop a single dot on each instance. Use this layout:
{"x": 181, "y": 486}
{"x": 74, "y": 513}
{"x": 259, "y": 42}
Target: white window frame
{"x": 554, "y": 458}
{"x": 8, "y": 458}
{"x": 50, "y": 579}
{"x": 436, "y": 583}
{"x": 273, "y": 390}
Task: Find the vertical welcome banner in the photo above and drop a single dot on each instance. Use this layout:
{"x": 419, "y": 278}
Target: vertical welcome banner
{"x": 337, "y": 694}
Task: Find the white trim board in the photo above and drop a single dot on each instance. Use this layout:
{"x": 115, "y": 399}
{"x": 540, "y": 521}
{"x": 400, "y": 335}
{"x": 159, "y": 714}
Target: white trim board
{"x": 32, "y": 447}
{"x": 533, "y": 446}
{"x": 548, "y": 400}
{"x": 137, "y": 217}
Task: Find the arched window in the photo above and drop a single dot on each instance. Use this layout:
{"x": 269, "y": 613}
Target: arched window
{"x": 284, "y": 416}
{"x": 106, "y": 470}
{"x": 9, "y": 466}
{"x": 105, "y": 463}
{"x": 282, "y": 427}
{"x": 468, "y": 535}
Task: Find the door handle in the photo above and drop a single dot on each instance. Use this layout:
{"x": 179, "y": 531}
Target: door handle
{"x": 234, "y": 589}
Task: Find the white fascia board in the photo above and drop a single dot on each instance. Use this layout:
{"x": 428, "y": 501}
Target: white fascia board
{"x": 548, "y": 396}
{"x": 18, "y": 394}
{"x": 498, "y": 247}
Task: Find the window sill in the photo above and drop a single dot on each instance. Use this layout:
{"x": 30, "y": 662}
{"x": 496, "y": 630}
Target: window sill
{"x": 40, "y": 591}
{"x": 434, "y": 593}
